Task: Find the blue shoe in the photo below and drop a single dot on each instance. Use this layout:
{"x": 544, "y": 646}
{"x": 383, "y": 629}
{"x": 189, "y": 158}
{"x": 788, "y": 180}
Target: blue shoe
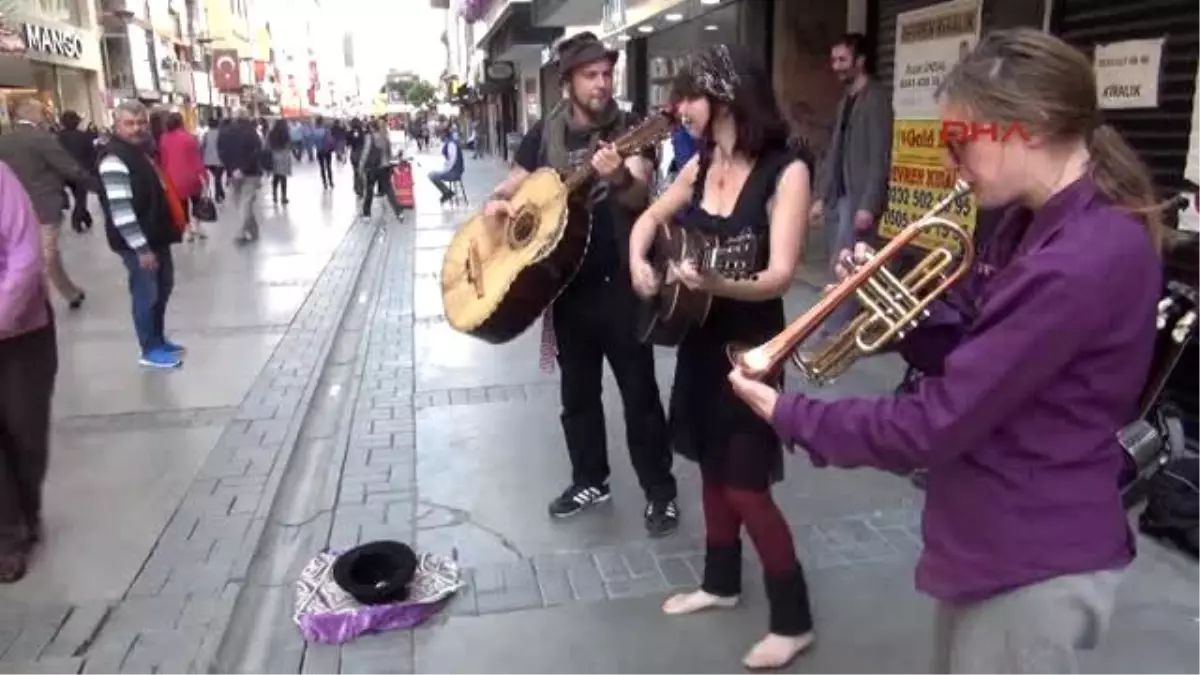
{"x": 161, "y": 358}
{"x": 173, "y": 348}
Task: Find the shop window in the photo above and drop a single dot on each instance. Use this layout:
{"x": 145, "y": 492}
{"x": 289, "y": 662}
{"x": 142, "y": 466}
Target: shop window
{"x": 46, "y": 82}
{"x": 667, "y": 50}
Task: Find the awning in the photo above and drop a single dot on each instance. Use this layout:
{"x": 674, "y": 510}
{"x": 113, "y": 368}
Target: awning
{"x": 16, "y": 72}
{"x": 513, "y": 30}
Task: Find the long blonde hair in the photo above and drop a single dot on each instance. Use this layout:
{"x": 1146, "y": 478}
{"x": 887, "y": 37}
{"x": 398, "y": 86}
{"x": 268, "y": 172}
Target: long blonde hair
{"x": 1029, "y": 77}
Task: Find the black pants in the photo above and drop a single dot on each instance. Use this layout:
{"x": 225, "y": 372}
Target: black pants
{"x": 379, "y": 180}
{"x": 325, "y": 161}
{"x": 355, "y": 156}
{"x": 594, "y": 321}
{"x": 80, "y": 216}
{"x": 218, "y": 172}
{"x": 279, "y": 187}
{"x": 28, "y": 367}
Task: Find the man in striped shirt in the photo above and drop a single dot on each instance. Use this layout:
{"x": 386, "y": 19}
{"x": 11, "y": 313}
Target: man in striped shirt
{"x": 141, "y": 229}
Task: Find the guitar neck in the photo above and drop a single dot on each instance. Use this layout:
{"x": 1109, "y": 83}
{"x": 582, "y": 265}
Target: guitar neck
{"x": 578, "y": 177}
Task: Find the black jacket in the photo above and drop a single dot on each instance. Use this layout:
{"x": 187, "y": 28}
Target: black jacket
{"x": 82, "y": 147}
{"x": 149, "y": 198}
{"x": 240, "y": 148}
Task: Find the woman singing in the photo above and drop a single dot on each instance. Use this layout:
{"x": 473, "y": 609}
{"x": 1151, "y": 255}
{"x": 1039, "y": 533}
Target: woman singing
{"x": 742, "y": 179}
{"x": 1028, "y": 378}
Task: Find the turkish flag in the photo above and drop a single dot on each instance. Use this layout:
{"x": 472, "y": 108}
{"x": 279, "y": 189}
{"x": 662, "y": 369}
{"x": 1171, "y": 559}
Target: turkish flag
{"x": 225, "y": 73}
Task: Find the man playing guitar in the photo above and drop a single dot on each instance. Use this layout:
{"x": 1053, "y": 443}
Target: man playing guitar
{"x": 595, "y": 317}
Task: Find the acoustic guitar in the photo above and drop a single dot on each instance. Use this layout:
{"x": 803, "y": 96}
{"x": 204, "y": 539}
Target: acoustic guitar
{"x": 497, "y": 279}
{"x": 668, "y": 316}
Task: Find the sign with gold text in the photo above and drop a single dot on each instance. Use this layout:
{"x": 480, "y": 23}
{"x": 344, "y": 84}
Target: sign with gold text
{"x": 929, "y": 42}
{"x": 918, "y": 181}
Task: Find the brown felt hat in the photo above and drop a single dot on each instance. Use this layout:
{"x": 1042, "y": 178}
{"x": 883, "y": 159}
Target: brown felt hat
{"x": 581, "y": 49}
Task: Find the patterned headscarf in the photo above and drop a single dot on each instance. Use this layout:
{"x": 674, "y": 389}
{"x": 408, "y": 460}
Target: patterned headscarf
{"x": 712, "y": 72}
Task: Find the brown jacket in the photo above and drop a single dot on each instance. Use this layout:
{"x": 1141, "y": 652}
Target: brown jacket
{"x": 44, "y": 167}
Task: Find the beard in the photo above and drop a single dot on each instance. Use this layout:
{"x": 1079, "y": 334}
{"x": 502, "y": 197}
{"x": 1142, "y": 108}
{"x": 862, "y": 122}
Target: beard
{"x": 592, "y": 105}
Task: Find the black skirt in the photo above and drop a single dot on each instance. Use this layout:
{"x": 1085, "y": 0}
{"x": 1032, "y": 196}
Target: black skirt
{"x": 709, "y": 424}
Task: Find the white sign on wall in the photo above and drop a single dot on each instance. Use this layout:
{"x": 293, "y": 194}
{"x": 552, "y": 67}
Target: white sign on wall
{"x": 1189, "y": 216}
{"x": 929, "y": 42}
{"x": 1192, "y": 170}
{"x": 1127, "y": 73}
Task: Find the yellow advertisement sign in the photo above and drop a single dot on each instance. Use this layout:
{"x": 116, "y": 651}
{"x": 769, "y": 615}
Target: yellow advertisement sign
{"x": 918, "y": 181}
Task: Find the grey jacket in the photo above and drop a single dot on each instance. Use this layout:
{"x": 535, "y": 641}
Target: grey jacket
{"x": 208, "y": 146}
{"x": 866, "y": 155}
{"x": 44, "y": 167}
{"x": 381, "y": 139}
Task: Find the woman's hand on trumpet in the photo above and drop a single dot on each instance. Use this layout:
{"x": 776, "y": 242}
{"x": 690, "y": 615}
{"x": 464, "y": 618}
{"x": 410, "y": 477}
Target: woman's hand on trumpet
{"x": 759, "y": 396}
{"x": 847, "y": 259}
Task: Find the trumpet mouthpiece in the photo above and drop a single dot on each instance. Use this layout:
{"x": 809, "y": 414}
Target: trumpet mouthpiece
{"x": 755, "y": 360}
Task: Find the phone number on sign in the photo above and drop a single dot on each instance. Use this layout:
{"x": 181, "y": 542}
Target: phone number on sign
{"x": 923, "y": 199}
{"x": 907, "y": 203}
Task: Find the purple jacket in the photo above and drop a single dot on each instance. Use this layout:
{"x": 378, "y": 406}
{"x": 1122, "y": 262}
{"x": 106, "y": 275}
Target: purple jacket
{"x": 23, "y": 303}
{"x": 1028, "y": 381}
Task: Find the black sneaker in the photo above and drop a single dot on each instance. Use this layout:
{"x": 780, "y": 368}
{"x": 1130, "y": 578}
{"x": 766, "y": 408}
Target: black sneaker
{"x": 661, "y": 518}
{"x": 577, "y": 498}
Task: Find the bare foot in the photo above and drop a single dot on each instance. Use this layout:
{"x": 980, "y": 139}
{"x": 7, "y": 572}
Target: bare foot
{"x": 686, "y": 603}
{"x": 13, "y": 567}
{"x": 776, "y": 651}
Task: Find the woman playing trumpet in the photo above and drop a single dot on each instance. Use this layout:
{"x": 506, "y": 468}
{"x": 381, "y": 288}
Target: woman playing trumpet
{"x": 742, "y": 179}
{"x": 1029, "y": 377}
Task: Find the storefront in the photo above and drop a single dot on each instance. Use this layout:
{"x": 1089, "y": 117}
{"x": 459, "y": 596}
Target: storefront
{"x": 65, "y": 64}
{"x": 16, "y": 79}
{"x": 513, "y": 45}
{"x": 657, "y": 36}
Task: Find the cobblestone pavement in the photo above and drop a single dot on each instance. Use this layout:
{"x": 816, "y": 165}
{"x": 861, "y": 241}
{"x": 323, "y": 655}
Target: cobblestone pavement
{"x": 364, "y": 416}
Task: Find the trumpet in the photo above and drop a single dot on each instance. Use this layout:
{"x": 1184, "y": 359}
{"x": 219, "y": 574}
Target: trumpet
{"x": 892, "y": 306}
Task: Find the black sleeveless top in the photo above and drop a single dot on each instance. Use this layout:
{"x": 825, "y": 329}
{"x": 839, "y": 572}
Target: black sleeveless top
{"x": 709, "y": 423}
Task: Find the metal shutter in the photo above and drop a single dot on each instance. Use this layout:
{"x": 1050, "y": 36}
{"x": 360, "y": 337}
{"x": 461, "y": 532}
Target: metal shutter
{"x": 1159, "y": 135}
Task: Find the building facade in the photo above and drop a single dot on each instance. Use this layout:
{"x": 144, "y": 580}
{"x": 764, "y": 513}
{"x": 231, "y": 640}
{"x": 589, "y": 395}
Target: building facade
{"x": 60, "y": 63}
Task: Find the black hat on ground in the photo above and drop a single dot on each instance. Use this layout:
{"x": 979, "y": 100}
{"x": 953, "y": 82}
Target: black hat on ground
{"x": 581, "y": 49}
{"x": 376, "y": 573}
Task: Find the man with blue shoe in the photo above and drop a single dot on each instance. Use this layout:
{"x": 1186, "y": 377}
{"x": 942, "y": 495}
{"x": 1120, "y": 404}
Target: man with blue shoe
{"x": 141, "y": 228}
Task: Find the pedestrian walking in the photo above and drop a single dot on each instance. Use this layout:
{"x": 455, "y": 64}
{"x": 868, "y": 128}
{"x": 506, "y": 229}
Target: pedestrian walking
{"x": 279, "y": 143}
{"x": 45, "y": 168}
{"x": 28, "y": 368}
{"x": 180, "y": 158}
{"x": 212, "y": 158}
{"x": 241, "y": 152}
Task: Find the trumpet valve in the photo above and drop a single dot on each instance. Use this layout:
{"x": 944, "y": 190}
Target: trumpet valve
{"x": 1183, "y": 327}
{"x": 1164, "y": 307}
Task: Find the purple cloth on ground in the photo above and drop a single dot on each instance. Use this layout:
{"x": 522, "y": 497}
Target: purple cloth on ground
{"x": 326, "y": 613}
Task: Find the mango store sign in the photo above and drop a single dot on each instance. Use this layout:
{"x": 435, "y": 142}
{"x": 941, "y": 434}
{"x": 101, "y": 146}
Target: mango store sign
{"x": 1127, "y": 73}
{"x": 54, "y": 41}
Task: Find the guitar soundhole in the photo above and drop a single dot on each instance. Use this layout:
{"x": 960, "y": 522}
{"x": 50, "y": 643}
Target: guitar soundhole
{"x": 522, "y": 229}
